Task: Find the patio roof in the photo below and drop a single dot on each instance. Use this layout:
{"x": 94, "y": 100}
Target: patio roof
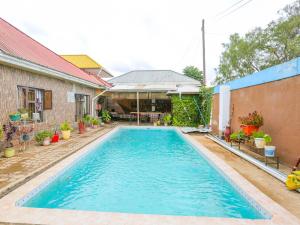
{"x": 154, "y": 81}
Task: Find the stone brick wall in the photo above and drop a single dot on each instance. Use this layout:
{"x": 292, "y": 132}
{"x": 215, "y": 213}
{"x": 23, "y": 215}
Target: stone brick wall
{"x": 61, "y": 108}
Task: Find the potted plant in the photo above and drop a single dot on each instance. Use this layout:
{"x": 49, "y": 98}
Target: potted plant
{"x": 16, "y": 116}
{"x": 269, "y": 149}
{"x": 65, "y": 128}
{"x": 87, "y": 119}
{"x": 55, "y": 137}
{"x": 43, "y": 137}
{"x": 9, "y": 131}
{"x": 237, "y": 136}
{"x": 95, "y": 122}
{"x": 23, "y": 113}
{"x": 259, "y": 139}
{"x": 251, "y": 122}
{"x": 105, "y": 116}
{"x": 81, "y": 126}
{"x": 167, "y": 119}
{"x": 100, "y": 121}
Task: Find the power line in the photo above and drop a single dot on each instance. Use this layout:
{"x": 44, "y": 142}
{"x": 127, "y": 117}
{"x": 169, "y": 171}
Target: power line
{"x": 232, "y": 11}
{"x": 225, "y": 10}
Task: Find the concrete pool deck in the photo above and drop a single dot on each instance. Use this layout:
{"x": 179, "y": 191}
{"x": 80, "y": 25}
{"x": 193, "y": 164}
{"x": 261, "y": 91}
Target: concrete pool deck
{"x": 9, "y": 212}
{"x": 267, "y": 184}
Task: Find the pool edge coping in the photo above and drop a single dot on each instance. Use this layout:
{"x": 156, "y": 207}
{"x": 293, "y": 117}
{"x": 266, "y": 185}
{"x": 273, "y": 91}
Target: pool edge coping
{"x": 15, "y": 214}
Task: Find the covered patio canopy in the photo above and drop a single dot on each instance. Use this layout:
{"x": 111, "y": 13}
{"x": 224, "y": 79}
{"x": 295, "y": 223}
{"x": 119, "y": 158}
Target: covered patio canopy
{"x": 166, "y": 82}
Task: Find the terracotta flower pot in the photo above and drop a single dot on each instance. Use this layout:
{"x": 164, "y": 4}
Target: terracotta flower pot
{"x": 249, "y": 129}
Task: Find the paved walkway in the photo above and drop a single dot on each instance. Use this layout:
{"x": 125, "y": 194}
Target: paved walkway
{"x": 272, "y": 187}
{"x": 25, "y": 165}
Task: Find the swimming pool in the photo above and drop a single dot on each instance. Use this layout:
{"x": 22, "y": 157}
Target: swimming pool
{"x": 146, "y": 171}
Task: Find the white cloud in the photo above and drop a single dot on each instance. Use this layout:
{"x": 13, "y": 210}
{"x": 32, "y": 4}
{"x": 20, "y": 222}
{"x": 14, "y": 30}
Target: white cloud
{"x": 136, "y": 34}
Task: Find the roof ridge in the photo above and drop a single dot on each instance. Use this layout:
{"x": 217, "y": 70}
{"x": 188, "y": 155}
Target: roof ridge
{"x": 181, "y": 74}
{"x": 163, "y": 74}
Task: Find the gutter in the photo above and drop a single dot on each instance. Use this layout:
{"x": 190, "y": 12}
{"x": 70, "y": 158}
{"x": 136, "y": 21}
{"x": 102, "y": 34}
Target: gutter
{"x": 32, "y": 67}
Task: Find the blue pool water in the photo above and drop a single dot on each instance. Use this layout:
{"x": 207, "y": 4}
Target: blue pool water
{"x": 148, "y": 171}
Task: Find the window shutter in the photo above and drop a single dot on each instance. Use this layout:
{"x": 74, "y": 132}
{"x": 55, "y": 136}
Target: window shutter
{"x": 47, "y": 99}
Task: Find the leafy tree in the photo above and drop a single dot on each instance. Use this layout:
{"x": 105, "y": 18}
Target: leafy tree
{"x": 194, "y": 72}
{"x": 262, "y": 48}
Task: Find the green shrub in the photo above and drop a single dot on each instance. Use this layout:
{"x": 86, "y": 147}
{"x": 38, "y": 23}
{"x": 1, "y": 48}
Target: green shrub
{"x": 258, "y": 134}
{"x": 105, "y": 116}
{"x": 65, "y": 126}
{"x": 261, "y": 134}
{"x": 237, "y": 136}
{"x": 167, "y": 118}
{"x": 42, "y": 135}
{"x": 87, "y": 119}
{"x": 95, "y": 121}
{"x": 268, "y": 139}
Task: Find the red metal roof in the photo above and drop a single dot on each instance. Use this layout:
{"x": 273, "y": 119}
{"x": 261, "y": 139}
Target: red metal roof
{"x": 15, "y": 42}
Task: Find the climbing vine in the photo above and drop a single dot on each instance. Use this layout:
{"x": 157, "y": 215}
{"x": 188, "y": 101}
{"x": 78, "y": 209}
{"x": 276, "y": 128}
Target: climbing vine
{"x": 184, "y": 111}
{"x": 205, "y": 104}
{"x": 192, "y": 110}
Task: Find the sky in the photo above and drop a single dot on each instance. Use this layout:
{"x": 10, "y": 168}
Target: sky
{"x": 125, "y": 35}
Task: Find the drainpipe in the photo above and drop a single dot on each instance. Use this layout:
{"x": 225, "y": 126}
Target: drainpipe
{"x": 93, "y": 101}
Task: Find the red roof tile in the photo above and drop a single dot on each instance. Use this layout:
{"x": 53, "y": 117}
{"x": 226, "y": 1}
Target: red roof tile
{"x": 16, "y": 43}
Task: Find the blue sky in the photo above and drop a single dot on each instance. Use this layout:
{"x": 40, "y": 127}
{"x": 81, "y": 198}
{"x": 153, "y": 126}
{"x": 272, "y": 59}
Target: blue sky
{"x": 137, "y": 34}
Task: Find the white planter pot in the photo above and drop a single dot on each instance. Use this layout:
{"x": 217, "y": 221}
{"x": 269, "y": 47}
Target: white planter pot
{"x": 46, "y": 141}
{"x": 259, "y": 142}
{"x": 270, "y": 151}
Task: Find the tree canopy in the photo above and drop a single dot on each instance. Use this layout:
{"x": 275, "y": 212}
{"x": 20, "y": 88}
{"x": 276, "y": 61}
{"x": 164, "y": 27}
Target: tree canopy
{"x": 262, "y": 47}
{"x": 194, "y": 72}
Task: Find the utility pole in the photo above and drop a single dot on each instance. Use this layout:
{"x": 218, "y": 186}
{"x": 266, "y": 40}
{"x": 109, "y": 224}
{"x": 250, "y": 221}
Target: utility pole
{"x": 203, "y": 52}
